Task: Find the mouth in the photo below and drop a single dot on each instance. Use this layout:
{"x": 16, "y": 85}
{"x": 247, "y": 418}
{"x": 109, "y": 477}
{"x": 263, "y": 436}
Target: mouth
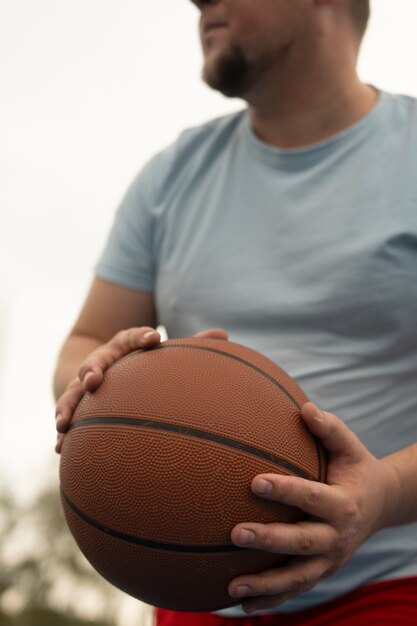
{"x": 209, "y": 27}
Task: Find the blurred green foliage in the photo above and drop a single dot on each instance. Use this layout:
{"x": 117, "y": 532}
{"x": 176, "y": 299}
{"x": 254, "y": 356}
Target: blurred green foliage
{"x": 44, "y": 578}
{"x": 41, "y": 616}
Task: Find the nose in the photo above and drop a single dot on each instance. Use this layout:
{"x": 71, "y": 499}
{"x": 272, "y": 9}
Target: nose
{"x": 201, "y": 3}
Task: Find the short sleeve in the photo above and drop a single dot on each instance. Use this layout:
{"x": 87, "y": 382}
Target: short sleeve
{"x": 127, "y": 258}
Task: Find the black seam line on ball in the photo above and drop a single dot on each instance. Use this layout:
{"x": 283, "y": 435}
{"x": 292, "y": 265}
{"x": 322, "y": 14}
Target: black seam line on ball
{"x": 319, "y": 460}
{"x": 240, "y": 360}
{"x": 156, "y": 545}
{"x": 260, "y": 371}
{"x": 191, "y": 432}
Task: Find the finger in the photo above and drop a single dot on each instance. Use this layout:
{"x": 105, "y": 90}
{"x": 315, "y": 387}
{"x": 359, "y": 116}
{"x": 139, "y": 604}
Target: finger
{"x": 302, "y": 538}
{"x": 335, "y": 436}
{"x": 213, "y": 333}
{"x": 299, "y": 575}
{"x": 67, "y": 403}
{"x": 124, "y": 342}
{"x": 265, "y": 603}
{"x": 316, "y": 499}
{"x": 59, "y": 442}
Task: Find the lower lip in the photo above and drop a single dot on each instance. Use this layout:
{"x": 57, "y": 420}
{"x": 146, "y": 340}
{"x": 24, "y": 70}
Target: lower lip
{"x": 213, "y": 29}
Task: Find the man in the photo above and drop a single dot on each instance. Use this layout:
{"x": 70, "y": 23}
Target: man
{"x": 293, "y": 225}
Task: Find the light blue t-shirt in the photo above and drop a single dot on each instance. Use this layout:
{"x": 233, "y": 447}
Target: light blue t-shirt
{"x": 307, "y": 255}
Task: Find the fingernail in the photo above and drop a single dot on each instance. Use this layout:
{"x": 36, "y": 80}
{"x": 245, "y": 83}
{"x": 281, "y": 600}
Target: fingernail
{"x": 86, "y": 376}
{"x": 263, "y": 486}
{"x": 246, "y": 537}
{"x": 149, "y": 334}
{"x": 242, "y": 590}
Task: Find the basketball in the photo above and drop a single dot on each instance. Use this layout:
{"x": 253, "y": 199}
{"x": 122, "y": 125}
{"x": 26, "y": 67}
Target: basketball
{"x": 157, "y": 465}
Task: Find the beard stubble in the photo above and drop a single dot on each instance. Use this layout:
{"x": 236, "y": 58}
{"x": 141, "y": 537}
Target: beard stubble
{"x": 238, "y": 75}
{"x": 228, "y": 72}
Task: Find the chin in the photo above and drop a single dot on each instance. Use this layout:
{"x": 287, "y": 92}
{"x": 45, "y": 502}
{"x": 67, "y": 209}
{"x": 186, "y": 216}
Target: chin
{"x": 227, "y": 71}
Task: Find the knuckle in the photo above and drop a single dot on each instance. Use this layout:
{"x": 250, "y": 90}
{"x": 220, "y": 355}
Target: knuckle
{"x": 300, "y": 582}
{"x": 268, "y": 539}
{"x": 304, "y": 542}
{"x": 74, "y": 385}
{"x": 351, "y": 510}
{"x": 266, "y": 587}
{"x": 314, "y": 495}
{"x": 286, "y": 483}
{"x": 131, "y": 337}
{"x": 73, "y": 390}
{"x": 119, "y": 335}
{"x": 74, "y": 393}
{"x": 97, "y": 361}
{"x": 121, "y": 338}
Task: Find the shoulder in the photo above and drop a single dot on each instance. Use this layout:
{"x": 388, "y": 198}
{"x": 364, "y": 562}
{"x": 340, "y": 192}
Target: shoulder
{"x": 396, "y": 140}
{"x": 400, "y": 101}
{"x": 395, "y": 152}
{"x": 219, "y": 128}
{"x": 194, "y": 148}
{"x": 400, "y": 111}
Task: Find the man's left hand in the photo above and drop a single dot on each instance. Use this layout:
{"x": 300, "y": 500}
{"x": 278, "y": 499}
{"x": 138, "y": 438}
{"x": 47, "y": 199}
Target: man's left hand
{"x": 340, "y": 516}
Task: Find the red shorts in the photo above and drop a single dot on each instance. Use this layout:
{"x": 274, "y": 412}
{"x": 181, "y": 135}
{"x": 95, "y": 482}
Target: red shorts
{"x": 388, "y": 603}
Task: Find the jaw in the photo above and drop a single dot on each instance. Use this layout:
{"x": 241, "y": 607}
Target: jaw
{"x": 226, "y": 70}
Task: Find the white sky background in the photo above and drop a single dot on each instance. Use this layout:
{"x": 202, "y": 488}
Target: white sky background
{"x": 89, "y": 90}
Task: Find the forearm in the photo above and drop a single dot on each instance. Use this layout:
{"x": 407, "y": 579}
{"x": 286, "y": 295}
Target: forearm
{"x": 402, "y": 498}
{"x": 73, "y": 353}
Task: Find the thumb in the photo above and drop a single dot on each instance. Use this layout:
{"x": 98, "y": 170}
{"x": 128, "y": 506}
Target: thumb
{"x": 335, "y": 436}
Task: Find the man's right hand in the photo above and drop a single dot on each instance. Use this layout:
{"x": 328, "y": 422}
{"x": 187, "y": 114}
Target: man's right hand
{"x": 91, "y": 372}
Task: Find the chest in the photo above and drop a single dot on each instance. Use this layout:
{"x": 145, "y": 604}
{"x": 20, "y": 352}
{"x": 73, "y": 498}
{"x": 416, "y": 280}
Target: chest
{"x": 293, "y": 252}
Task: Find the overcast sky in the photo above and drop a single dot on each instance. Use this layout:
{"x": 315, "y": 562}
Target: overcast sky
{"x": 89, "y": 90}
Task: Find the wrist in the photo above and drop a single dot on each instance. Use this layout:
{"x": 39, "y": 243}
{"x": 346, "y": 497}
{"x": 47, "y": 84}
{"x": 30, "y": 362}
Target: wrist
{"x": 401, "y": 489}
{"x": 391, "y": 494}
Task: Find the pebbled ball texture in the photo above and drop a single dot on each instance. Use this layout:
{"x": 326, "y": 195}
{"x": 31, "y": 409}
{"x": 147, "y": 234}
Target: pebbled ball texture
{"x": 157, "y": 466}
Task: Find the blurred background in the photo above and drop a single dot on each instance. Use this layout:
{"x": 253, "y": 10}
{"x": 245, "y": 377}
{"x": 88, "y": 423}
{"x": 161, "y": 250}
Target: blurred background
{"x": 89, "y": 91}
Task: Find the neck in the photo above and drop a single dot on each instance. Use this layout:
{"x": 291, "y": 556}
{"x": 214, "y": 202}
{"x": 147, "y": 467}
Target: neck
{"x": 287, "y": 116}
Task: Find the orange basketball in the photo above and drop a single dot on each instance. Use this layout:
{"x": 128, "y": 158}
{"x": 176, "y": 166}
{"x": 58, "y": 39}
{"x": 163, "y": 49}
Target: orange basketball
{"x": 157, "y": 466}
